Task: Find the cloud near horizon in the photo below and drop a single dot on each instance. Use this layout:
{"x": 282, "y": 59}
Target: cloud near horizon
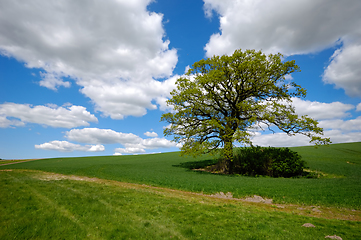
{"x": 330, "y": 117}
{"x": 131, "y": 142}
{"x": 64, "y": 146}
{"x": 283, "y": 140}
{"x": 321, "y": 111}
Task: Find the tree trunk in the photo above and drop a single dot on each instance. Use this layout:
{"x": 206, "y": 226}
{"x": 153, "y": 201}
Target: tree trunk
{"x": 226, "y": 164}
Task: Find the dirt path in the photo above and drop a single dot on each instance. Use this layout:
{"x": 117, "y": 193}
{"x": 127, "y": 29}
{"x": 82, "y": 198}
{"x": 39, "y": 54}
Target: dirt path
{"x": 256, "y": 201}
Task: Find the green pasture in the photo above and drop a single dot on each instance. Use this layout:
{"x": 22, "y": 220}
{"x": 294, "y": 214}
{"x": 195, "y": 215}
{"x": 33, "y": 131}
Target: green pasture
{"x": 38, "y": 205}
{"x": 339, "y": 163}
{"x": 136, "y": 197}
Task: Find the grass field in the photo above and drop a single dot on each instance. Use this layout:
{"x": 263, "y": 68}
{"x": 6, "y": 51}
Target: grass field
{"x": 40, "y": 205}
{"x": 342, "y": 160}
{"x": 131, "y": 197}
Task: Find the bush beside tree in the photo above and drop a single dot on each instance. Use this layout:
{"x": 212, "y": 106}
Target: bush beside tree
{"x": 273, "y": 162}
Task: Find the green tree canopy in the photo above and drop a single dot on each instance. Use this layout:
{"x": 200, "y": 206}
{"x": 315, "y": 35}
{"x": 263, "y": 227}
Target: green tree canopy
{"x": 221, "y": 98}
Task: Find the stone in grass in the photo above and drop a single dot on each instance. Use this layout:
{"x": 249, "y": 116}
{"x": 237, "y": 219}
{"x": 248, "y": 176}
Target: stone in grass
{"x": 258, "y": 199}
{"x": 316, "y": 210}
{"x": 334, "y": 237}
{"x": 308, "y": 225}
{"x": 222, "y": 195}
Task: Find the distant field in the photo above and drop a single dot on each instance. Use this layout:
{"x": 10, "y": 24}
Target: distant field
{"x": 163, "y": 170}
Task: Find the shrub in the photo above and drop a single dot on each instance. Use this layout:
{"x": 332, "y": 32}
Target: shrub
{"x": 274, "y": 162}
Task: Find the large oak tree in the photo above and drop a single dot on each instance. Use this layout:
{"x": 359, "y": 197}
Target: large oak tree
{"x": 222, "y": 98}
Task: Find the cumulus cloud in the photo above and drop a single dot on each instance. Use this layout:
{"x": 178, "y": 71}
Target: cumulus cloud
{"x": 330, "y": 119}
{"x": 289, "y": 27}
{"x": 151, "y": 134}
{"x": 344, "y": 70}
{"x": 358, "y": 108}
{"x": 329, "y": 114}
{"x": 279, "y": 140}
{"x": 5, "y": 123}
{"x": 320, "y": 110}
{"x": 53, "y": 116}
{"x": 64, "y": 146}
{"x": 119, "y": 99}
{"x": 101, "y": 136}
{"x": 344, "y": 125}
{"x": 158, "y": 143}
{"x": 131, "y": 142}
{"x": 115, "y": 50}
{"x": 53, "y": 81}
{"x": 283, "y": 140}
{"x": 339, "y": 136}
{"x": 130, "y": 150}
{"x": 293, "y": 27}
{"x": 151, "y": 143}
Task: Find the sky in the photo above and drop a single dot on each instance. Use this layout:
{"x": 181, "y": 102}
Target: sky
{"x": 91, "y": 78}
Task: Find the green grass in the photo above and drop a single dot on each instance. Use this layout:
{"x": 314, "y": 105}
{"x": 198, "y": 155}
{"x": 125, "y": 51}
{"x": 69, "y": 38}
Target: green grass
{"x": 163, "y": 170}
{"x": 36, "y": 205}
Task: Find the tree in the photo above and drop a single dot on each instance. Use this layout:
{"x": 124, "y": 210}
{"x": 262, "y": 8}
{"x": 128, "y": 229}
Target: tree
{"x": 221, "y": 99}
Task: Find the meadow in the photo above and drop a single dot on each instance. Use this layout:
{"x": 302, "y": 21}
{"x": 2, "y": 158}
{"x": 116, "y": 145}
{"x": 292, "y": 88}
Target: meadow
{"x": 158, "y": 196}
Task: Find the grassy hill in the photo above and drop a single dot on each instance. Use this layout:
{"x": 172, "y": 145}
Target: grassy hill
{"x": 134, "y": 197}
{"x": 340, "y": 187}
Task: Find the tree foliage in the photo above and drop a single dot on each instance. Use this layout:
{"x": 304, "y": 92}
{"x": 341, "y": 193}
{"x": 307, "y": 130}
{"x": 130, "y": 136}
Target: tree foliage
{"x": 222, "y": 98}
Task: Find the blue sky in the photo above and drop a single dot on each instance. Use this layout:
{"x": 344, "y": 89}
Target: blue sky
{"x": 85, "y": 78}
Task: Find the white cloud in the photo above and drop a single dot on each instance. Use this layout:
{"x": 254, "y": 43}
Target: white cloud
{"x": 65, "y": 117}
{"x": 358, "y": 108}
{"x": 5, "y": 123}
{"x": 130, "y": 150}
{"x": 53, "y": 81}
{"x": 101, "y": 136}
{"x": 113, "y": 49}
{"x": 158, "y": 143}
{"x": 120, "y": 99}
{"x": 141, "y": 146}
{"x": 329, "y": 114}
{"x": 338, "y": 136}
{"x": 344, "y": 125}
{"x": 288, "y": 77}
{"x": 283, "y": 140}
{"x": 320, "y": 111}
{"x": 64, "y": 146}
{"x": 151, "y": 134}
{"x": 344, "y": 70}
{"x": 289, "y": 27}
{"x": 279, "y": 140}
{"x": 338, "y": 130}
{"x": 293, "y": 27}
{"x": 132, "y": 143}
{"x": 168, "y": 126}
